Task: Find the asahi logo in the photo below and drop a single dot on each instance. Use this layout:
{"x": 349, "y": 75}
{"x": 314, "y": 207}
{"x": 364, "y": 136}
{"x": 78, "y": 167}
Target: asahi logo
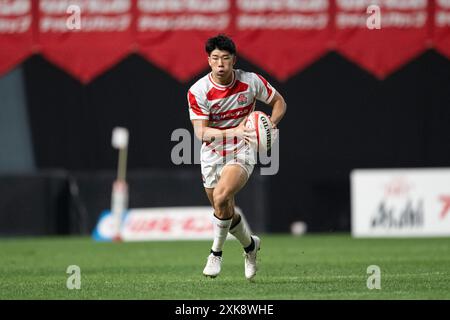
{"x": 399, "y": 208}
{"x": 408, "y": 216}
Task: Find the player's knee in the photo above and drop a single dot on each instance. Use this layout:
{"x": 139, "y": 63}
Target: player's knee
{"x": 222, "y": 199}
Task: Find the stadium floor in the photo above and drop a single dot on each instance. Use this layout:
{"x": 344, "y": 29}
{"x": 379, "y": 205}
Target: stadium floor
{"x": 309, "y": 267}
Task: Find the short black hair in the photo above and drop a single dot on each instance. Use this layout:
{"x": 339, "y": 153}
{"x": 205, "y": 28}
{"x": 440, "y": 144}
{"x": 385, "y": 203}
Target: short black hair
{"x": 221, "y": 42}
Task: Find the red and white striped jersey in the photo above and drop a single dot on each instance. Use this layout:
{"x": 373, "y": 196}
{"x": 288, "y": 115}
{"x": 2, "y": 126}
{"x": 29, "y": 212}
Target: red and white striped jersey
{"x": 226, "y": 106}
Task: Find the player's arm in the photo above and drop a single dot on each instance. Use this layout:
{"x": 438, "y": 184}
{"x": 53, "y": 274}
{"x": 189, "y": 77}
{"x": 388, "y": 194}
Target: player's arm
{"x": 268, "y": 95}
{"x": 278, "y": 108}
{"x": 205, "y": 133}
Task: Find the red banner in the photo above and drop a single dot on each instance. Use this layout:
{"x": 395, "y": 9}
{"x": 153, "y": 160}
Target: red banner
{"x": 441, "y": 34}
{"x": 85, "y": 37}
{"x": 172, "y": 34}
{"x": 16, "y": 37}
{"x": 383, "y": 35}
{"x": 282, "y": 36}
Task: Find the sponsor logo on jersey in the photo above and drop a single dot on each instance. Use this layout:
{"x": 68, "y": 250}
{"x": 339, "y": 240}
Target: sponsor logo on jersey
{"x": 231, "y": 114}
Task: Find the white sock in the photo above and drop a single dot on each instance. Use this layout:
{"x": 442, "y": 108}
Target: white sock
{"x": 242, "y": 233}
{"x": 221, "y": 228}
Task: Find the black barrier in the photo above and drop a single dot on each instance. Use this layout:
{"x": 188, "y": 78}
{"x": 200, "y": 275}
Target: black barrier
{"x": 61, "y": 203}
{"x": 34, "y": 204}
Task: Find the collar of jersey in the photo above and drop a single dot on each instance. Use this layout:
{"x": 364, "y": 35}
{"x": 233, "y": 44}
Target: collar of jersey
{"x": 222, "y": 87}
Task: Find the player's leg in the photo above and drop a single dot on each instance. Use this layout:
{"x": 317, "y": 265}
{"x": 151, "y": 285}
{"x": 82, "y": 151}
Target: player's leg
{"x": 209, "y": 193}
{"x": 240, "y": 231}
{"x": 220, "y": 225}
{"x": 237, "y": 228}
{"x": 233, "y": 178}
{"x": 236, "y": 217}
{"x": 250, "y": 243}
{"x": 246, "y": 158}
{"x": 214, "y": 261}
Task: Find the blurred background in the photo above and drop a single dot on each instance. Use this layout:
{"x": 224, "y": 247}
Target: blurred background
{"x": 358, "y": 97}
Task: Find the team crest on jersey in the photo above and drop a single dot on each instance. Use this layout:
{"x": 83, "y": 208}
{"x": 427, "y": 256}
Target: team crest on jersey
{"x": 215, "y": 107}
{"x": 242, "y": 99}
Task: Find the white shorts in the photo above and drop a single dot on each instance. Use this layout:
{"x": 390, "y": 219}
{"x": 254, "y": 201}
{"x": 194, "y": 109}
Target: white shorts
{"x": 213, "y": 163}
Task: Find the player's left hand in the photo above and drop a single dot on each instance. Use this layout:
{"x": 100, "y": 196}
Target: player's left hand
{"x": 274, "y": 126}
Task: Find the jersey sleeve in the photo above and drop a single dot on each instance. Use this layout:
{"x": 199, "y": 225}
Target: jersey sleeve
{"x": 197, "y": 109}
{"x": 264, "y": 91}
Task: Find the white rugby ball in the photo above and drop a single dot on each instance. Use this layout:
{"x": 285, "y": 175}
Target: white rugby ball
{"x": 265, "y": 135}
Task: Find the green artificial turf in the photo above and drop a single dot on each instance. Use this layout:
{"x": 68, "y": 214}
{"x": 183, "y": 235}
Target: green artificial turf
{"x": 309, "y": 267}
